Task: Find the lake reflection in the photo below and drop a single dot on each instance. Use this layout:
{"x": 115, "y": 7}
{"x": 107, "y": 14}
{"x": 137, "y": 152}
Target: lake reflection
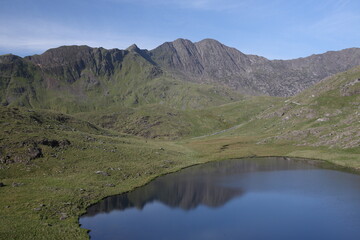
{"x": 264, "y": 198}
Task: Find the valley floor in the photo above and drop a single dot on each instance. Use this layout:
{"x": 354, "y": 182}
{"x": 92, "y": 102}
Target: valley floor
{"x": 53, "y": 166}
{"x": 43, "y": 199}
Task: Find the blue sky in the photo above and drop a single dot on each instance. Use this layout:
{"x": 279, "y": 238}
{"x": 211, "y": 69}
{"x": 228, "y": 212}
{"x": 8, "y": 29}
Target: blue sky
{"x": 276, "y": 29}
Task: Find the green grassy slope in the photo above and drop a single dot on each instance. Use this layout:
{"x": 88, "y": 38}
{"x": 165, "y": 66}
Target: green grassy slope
{"x": 322, "y": 122}
{"x": 168, "y": 122}
{"x": 95, "y": 79}
{"x": 54, "y": 165}
{"x": 41, "y": 189}
{"x": 19, "y": 81}
{"x": 327, "y": 114}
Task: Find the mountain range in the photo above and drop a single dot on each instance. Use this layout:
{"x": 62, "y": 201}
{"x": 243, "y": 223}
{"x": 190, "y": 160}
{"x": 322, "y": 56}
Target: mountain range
{"x": 80, "y": 123}
{"x": 179, "y": 73}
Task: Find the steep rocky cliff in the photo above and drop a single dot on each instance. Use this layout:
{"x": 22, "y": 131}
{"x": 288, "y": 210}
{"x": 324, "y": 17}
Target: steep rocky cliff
{"x": 209, "y": 61}
{"x": 180, "y": 73}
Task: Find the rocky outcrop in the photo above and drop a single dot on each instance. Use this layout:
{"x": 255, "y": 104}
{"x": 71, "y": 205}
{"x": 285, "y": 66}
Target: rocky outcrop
{"x": 210, "y": 61}
{"x": 68, "y": 62}
{"x": 114, "y": 75}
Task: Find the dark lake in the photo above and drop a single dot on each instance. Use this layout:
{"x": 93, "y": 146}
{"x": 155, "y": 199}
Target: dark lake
{"x": 267, "y": 198}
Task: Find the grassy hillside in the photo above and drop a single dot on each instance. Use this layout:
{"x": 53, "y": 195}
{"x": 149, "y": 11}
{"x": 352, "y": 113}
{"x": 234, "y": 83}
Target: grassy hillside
{"x": 81, "y": 79}
{"x": 322, "y": 122}
{"x": 328, "y": 114}
{"x": 54, "y": 165}
{"x": 168, "y": 122}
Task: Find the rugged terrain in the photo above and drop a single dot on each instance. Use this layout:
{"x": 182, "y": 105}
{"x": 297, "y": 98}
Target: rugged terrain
{"x": 322, "y": 122}
{"x": 209, "y": 61}
{"x": 80, "y": 123}
{"x": 179, "y": 74}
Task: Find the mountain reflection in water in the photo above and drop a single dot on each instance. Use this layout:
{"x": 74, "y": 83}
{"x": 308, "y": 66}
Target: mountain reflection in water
{"x": 191, "y": 187}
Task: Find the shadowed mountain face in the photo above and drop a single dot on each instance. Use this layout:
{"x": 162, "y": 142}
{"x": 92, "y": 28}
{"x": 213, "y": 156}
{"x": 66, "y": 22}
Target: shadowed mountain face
{"x": 80, "y": 78}
{"x": 209, "y": 61}
{"x": 75, "y": 78}
{"x": 71, "y": 63}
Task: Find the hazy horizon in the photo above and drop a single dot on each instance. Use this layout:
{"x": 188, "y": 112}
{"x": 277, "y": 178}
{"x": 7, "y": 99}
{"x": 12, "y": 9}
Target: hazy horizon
{"x": 276, "y": 29}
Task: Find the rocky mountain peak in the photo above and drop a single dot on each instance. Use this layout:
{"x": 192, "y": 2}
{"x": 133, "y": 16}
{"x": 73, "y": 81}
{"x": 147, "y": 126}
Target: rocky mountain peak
{"x": 8, "y": 58}
{"x": 133, "y": 48}
{"x": 182, "y": 41}
{"x": 207, "y": 61}
{"x": 209, "y": 41}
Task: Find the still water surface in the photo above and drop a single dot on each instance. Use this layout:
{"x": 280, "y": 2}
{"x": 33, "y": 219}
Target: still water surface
{"x": 268, "y": 198}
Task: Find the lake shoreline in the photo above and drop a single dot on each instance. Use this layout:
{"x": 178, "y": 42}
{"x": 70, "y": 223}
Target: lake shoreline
{"x": 321, "y": 163}
{"x": 139, "y": 199}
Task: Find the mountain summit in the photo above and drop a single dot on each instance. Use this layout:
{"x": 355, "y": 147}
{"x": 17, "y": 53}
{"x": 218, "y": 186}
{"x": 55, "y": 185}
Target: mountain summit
{"x": 81, "y": 77}
{"x": 209, "y": 61}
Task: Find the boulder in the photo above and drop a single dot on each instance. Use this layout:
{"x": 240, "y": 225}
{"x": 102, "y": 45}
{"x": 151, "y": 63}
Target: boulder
{"x": 102, "y": 173}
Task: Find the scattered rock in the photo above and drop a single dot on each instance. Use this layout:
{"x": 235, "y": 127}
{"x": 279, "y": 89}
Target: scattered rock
{"x": 34, "y": 152}
{"x": 88, "y": 138}
{"x": 102, "y": 173}
{"x": 351, "y": 88}
{"x": 63, "y": 216}
{"x": 310, "y": 115}
{"x": 55, "y": 143}
{"x": 36, "y": 119}
{"x": 62, "y": 118}
{"x": 14, "y": 184}
{"x": 109, "y": 185}
{"x": 171, "y": 162}
{"x": 64, "y": 143}
{"x": 322, "y": 119}
{"x": 51, "y": 143}
{"x": 37, "y": 209}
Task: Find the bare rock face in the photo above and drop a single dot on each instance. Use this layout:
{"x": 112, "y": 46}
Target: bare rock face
{"x": 69, "y": 61}
{"x": 352, "y": 88}
{"x": 85, "y": 72}
{"x": 34, "y": 152}
{"x": 210, "y": 61}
